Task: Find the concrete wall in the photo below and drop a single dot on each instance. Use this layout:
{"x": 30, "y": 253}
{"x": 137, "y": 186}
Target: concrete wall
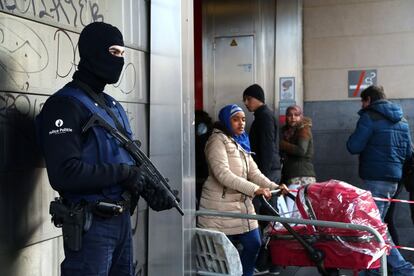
{"x": 354, "y": 35}
{"x": 288, "y": 48}
{"x": 343, "y": 35}
{"x": 38, "y": 55}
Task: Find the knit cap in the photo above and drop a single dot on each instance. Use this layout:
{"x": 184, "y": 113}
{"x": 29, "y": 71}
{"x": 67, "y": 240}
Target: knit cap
{"x": 254, "y": 91}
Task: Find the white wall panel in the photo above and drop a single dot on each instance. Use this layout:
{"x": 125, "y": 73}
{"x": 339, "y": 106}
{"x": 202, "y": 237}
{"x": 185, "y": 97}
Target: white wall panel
{"x": 347, "y": 18}
{"x": 365, "y": 52}
{"x": 315, "y": 3}
{"x": 44, "y": 59}
{"x": 172, "y": 133}
{"x": 288, "y": 46}
{"x": 340, "y": 36}
{"x": 130, "y": 16}
{"x": 39, "y": 259}
{"x": 67, "y": 14}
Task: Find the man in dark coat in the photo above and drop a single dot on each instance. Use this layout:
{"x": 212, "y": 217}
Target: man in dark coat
{"x": 264, "y": 142}
{"x": 263, "y": 133}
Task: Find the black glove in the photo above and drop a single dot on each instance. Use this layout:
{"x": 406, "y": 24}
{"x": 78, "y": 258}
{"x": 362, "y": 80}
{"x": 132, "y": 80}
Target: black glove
{"x": 158, "y": 198}
{"x": 137, "y": 180}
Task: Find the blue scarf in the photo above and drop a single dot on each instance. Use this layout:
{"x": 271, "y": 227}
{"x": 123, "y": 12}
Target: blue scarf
{"x": 224, "y": 116}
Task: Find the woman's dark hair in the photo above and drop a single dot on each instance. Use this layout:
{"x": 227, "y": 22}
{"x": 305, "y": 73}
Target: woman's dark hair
{"x": 219, "y": 125}
{"x": 374, "y": 92}
{"x": 202, "y": 117}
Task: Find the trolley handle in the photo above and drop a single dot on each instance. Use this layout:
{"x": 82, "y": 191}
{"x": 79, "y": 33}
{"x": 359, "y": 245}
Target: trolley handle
{"x": 277, "y": 192}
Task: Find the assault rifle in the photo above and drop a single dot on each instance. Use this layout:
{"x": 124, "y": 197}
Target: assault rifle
{"x": 140, "y": 158}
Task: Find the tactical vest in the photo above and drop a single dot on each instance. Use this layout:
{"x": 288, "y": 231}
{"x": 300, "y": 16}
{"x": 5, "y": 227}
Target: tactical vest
{"x": 100, "y": 146}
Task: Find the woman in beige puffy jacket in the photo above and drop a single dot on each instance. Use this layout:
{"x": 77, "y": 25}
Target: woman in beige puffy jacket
{"x": 233, "y": 181}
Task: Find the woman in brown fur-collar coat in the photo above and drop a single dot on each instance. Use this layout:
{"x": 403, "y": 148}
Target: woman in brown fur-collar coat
{"x": 296, "y": 146}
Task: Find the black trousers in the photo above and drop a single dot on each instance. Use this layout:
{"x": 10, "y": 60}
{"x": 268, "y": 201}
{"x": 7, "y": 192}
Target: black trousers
{"x": 389, "y": 217}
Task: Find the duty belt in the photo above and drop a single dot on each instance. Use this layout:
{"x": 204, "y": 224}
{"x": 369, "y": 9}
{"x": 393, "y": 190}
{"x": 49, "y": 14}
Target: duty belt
{"x": 76, "y": 218}
{"x": 108, "y": 209}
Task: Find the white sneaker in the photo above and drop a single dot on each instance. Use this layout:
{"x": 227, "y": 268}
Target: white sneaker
{"x": 257, "y": 272}
{"x": 274, "y": 270}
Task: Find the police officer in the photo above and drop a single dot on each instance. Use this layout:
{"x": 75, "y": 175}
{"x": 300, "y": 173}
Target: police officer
{"x": 90, "y": 168}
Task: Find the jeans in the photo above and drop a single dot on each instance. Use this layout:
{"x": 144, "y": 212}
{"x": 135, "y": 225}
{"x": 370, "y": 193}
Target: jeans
{"x": 411, "y": 197}
{"x": 106, "y": 249}
{"x": 389, "y": 217}
{"x": 251, "y": 245}
{"x": 385, "y": 189}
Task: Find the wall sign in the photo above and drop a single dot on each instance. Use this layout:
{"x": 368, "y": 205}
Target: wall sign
{"x": 286, "y": 96}
{"x": 287, "y": 89}
{"x": 358, "y": 80}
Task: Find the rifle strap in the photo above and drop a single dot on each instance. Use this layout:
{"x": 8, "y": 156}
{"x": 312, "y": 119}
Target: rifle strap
{"x": 99, "y": 99}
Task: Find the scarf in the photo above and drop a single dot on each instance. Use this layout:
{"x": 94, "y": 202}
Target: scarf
{"x": 289, "y": 131}
{"x": 225, "y": 115}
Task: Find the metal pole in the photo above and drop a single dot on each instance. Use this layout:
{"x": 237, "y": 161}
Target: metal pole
{"x": 322, "y": 223}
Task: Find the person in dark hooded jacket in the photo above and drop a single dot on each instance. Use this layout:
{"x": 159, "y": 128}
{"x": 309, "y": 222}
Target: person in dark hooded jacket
{"x": 382, "y": 140}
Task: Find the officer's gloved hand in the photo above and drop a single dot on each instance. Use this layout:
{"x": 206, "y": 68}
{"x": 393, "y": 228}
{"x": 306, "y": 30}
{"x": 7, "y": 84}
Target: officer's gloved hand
{"x": 159, "y": 199}
{"x": 137, "y": 181}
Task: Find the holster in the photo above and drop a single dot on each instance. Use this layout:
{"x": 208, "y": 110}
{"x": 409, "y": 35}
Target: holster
{"x": 74, "y": 220}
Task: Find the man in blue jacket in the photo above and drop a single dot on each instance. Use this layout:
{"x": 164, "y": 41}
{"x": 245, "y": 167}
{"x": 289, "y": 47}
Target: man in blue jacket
{"x": 93, "y": 174}
{"x": 382, "y": 140}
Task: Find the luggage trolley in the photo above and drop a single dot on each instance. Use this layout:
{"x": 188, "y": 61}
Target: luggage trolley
{"x": 326, "y": 247}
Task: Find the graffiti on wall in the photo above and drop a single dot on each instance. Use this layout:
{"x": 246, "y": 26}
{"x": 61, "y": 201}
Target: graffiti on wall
{"x": 24, "y": 59}
{"x": 71, "y": 12}
{"x": 20, "y": 104}
{"x": 17, "y": 112}
{"x": 20, "y": 158}
{"x": 21, "y": 55}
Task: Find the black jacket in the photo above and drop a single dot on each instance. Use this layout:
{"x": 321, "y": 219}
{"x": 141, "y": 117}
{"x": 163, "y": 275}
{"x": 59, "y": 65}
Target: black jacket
{"x": 264, "y": 142}
{"x": 63, "y": 153}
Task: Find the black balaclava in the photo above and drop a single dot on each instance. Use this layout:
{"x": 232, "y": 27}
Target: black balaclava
{"x": 97, "y": 67}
